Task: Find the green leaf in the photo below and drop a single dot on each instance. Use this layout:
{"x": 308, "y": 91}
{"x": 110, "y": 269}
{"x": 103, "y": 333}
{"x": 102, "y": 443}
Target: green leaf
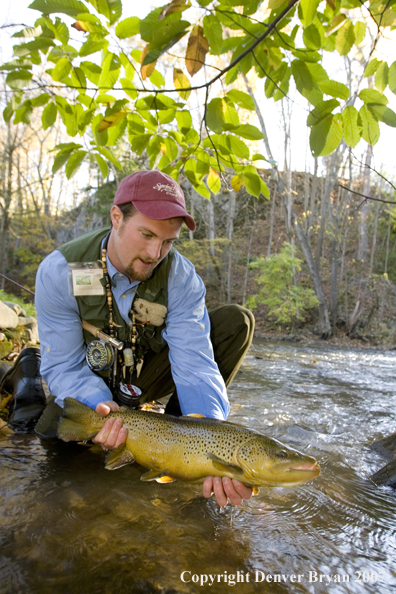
{"x": 91, "y": 46}
{"x": 92, "y": 71}
{"x": 29, "y": 32}
{"x": 61, "y": 70}
{"x": 248, "y": 131}
{"x": 78, "y": 79}
{"x": 370, "y": 126}
{"x": 326, "y": 136}
{"x": 104, "y": 168}
{"x": 23, "y": 113}
{"x": 352, "y": 130}
{"x": 312, "y": 38}
{"x": 110, "y": 72}
{"x": 384, "y": 114}
{"x": 309, "y": 9}
{"x": 111, "y": 9}
{"x": 140, "y": 142}
{"x": 252, "y": 180}
{"x": 69, "y": 7}
{"x": 334, "y": 89}
{"x": 157, "y": 79}
{"x": 321, "y": 110}
{"x": 371, "y": 67}
{"x": 40, "y": 100}
{"x": 213, "y": 32}
{"x": 392, "y": 77}
{"x": 41, "y": 43}
{"x": 67, "y": 114}
{"x": 128, "y": 27}
{"x": 109, "y": 156}
{"x": 59, "y": 29}
{"x": 303, "y": 78}
{"x": 381, "y": 77}
{"x": 74, "y": 163}
{"x": 18, "y": 79}
{"x": 165, "y": 38}
{"x": 238, "y": 147}
{"x": 221, "y": 115}
{"x": 242, "y": 99}
{"x": 372, "y": 96}
{"x": 345, "y": 39}
{"x": 61, "y": 159}
{"x": 184, "y": 121}
{"x": 359, "y": 30}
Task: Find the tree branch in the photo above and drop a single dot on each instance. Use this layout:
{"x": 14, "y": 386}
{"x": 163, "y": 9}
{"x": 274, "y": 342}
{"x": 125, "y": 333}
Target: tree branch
{"x": 366, "y": 197}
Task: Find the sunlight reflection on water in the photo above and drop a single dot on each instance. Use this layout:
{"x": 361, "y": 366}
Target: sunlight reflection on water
{"x": 68, "y": 525}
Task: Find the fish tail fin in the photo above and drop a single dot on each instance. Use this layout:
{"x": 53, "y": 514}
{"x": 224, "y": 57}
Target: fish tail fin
{"x": 78, "y": 422}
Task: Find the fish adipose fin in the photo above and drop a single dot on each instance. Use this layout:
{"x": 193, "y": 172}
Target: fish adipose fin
{"x": 157, "y": 475}
{"x": 222, "y": 465}
{"x": 119, "y": 457}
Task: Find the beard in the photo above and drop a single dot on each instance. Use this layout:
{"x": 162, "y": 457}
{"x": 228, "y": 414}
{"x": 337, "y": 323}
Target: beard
{"x": 134, "y": 274}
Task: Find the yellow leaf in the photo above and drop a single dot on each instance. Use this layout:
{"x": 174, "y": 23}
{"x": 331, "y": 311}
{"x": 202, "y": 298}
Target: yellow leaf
{"x": 237, "y": 182}
{"x": 174, "y": 6}
{"x": 214, "y": 183}
{"x": 80, "y": 26}
{"x": 181, "y": 81}
{"x": 197, "y": 49}
{"x": 147, "y": 70}
{"x": 111, "y": 120}
{"x": 163, "y": 148}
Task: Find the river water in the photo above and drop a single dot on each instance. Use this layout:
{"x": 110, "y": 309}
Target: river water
{"x": 69, "y": 526}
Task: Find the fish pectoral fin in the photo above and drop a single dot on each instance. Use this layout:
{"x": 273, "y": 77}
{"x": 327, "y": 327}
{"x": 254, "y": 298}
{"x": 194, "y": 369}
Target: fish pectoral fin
{"x": 220, "y": 464}
{"x": 119, "y": 457}
{"x": 157, "y": 475}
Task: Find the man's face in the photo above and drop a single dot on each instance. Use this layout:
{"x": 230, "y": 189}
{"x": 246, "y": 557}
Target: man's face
{"x": 138, "y": 244}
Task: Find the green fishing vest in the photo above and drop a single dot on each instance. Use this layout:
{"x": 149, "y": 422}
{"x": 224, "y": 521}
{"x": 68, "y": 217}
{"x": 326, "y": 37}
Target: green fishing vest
{"x": 94, "y": 308}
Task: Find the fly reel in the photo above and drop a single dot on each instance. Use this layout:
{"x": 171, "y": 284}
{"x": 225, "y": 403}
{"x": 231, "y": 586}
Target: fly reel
{"x": 99, "y": 355}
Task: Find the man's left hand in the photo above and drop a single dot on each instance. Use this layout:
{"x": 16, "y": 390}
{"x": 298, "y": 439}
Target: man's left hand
{"x": 224, "y": 489}
{"x": 112, "y": 433}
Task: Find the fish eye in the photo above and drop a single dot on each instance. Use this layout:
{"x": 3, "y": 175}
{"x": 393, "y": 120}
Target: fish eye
{"x": 282, "y": 454}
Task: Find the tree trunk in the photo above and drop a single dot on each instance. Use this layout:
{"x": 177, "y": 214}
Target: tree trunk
{"x": 365, "y": 209}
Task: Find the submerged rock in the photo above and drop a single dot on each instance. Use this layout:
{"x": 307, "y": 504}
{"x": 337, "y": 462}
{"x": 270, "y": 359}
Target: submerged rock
{"x": 386, "y": 475}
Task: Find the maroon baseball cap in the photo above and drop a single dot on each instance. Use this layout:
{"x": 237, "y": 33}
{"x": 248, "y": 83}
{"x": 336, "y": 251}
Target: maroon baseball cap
{"x": 155, "y": 195}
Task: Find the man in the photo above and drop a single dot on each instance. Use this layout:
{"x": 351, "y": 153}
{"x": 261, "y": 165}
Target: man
{"x": 131, "y": 283}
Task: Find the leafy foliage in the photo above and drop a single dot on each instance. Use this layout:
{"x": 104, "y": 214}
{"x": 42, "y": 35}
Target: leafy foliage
{"x": 102, "y": 87}
{"x": 286, "y": 301}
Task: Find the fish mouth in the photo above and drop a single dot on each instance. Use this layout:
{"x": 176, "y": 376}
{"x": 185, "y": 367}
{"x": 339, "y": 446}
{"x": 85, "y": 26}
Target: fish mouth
{"x": 308, "y": 467}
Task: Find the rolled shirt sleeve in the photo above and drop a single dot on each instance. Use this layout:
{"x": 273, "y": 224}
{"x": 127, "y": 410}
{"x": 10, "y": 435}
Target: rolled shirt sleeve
{"x": 63, "y": 363}
{"x": 200, "y": 386}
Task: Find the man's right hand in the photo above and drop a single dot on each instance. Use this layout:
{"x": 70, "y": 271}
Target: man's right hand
{"x": 112, "y": 434}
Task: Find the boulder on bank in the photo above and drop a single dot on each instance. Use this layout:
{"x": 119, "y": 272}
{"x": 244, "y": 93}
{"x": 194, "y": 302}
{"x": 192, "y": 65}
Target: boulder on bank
{"x": 8, "y": 317}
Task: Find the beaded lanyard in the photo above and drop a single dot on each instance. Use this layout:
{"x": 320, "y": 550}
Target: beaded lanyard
{"x": 128, "y": 358}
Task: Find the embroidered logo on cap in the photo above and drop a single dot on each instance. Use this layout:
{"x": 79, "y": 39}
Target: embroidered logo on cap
{"x": 168, "y": 189}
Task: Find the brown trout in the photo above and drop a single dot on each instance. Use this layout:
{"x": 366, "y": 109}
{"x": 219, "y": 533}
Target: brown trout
{"x": 190, "y": 448}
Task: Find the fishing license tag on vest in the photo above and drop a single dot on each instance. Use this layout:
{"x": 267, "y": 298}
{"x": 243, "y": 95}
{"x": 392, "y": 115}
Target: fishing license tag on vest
{"x": 85, "y": 277}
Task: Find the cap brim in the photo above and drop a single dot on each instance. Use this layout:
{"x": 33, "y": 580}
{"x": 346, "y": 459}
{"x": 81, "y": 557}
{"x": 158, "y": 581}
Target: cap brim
{"x": 161, "y": 210}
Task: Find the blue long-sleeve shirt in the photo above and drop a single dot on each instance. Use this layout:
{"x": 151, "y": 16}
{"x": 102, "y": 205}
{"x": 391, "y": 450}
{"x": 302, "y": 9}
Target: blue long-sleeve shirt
{"x": 200, "y": 386}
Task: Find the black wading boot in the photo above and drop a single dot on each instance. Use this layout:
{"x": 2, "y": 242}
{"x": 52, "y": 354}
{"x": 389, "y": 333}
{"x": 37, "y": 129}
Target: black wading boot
{"x": 23, "y": 380}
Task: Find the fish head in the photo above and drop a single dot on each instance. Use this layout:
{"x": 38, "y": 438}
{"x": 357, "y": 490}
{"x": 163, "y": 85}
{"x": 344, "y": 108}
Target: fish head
{"x": 268, "y": 462}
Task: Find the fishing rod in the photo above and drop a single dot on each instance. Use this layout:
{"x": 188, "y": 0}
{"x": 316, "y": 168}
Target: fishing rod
{"x": 17, "y": 284}
{"x": 97, "y": 332}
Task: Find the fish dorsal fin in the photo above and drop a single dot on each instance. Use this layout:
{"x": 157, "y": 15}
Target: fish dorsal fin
{"x": 222, "y": 465}
{"x": 119, "y": 457}
{"x": 157, "y": 475}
